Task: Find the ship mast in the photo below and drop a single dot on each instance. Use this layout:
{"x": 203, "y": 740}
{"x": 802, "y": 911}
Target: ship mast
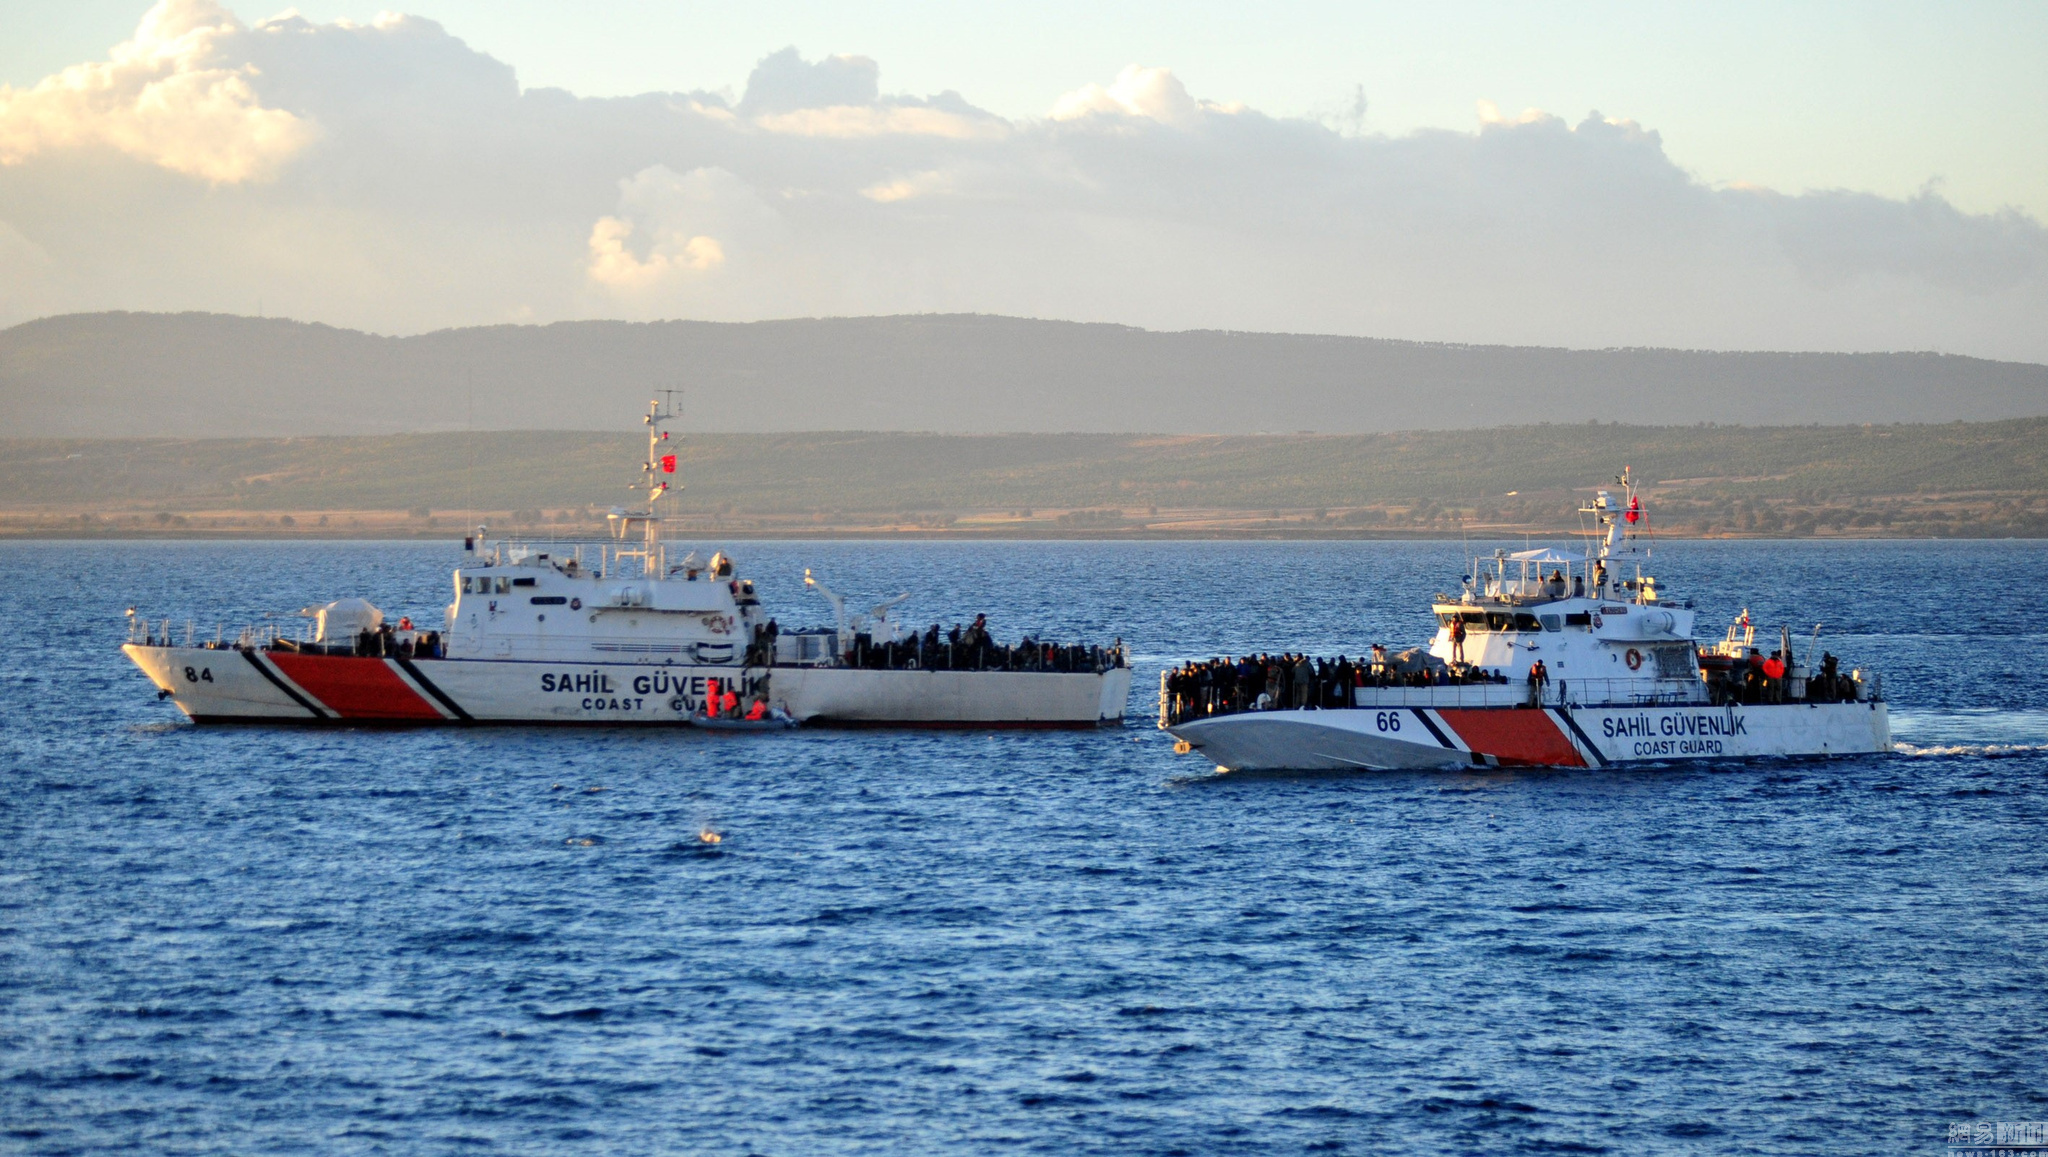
{"x": 655, "y": 470}
{"x": 1614, "y": 524}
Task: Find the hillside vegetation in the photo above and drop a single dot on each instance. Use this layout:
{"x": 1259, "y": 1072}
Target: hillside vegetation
{"x": 1960, "y": 478}
{"x": 209, "y": 375}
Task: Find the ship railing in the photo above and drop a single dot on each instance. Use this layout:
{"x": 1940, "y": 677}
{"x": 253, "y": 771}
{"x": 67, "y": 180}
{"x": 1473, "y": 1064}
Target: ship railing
{"x": 1625, "y": 693}
{"x": 1557, "y": 693}
{"x": 1567, "y": 693}
{"x": 144, "y": 632}
{"x": 820, "y": 647}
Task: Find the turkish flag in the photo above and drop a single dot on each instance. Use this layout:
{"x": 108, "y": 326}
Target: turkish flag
{"x": 668, "y": 463}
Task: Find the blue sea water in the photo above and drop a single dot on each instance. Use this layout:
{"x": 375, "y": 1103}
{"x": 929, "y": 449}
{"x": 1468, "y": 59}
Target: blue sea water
{"x": 251, "y": 940}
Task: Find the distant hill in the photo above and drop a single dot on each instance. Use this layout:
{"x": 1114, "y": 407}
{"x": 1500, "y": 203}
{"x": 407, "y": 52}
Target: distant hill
{"x": 1954, "y": 478}
{"x": 211, "y": 375}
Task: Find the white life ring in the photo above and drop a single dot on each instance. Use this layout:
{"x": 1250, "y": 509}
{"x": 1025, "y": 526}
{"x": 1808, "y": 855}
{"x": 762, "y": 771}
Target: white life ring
{"x": 1634, "y": 658}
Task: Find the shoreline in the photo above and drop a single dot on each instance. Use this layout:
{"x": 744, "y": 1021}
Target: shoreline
{"x": 845, "y": 534}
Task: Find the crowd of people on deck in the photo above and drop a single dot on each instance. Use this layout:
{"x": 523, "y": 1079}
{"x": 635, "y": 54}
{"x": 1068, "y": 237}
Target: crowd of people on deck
{"x": 1298, "y": 682}
{"x": 971, "y": 648}
{"x": 400, "y": 643}
{"x": 1760, "y": 678}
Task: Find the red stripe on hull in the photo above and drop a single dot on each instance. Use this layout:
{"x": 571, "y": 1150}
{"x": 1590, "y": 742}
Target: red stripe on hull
{"x": 1516, "y": 736}
{"x": 354, "y": 688}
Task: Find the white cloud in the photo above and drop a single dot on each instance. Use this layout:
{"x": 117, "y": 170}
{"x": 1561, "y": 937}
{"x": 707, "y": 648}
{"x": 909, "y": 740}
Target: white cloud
{"x": 1147, "y": 93}
{"x": 869, "y": 121}
{"x": 613, "y": 264}
{"x": 441, "y": 193}
{"x": 1836, "y": 237}
{"x": 840, "y": 96}
{"x": 165, "y": 96}
{"x": 672, "y": 230}
{"x": 784, "y": 82}
{"x": 1490, "y": 114}
{"x": 924, "y": 184}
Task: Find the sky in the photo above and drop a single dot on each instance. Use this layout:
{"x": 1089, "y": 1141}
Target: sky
{"x": 1830, "y": 176}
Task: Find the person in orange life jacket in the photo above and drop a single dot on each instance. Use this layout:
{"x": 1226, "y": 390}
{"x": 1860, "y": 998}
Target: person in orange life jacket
{"x": 711, "y": 700}
{"x": 729, "y": 703}
{"x": 1538, "y": 676}
{"x": 1774, "y": 678}
{"x": 1753, "y": 677}
{"x": 759, "y": 710}
{"x": 1457, "y": 640}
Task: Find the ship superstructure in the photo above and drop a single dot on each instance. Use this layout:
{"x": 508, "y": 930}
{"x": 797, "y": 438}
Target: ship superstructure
{"x": 623, "y": 632}
{"x": 1542, "y": 657}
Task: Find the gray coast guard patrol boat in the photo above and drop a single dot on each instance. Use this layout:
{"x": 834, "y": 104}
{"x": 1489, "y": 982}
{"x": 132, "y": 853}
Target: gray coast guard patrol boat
{"x": 1544, "y": 658}
{"x": 618, "y": 633}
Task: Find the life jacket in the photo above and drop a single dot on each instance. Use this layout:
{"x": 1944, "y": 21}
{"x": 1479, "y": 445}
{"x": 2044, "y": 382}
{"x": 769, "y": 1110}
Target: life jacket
{"x": 729, "y": 702}
{"x": 758, "y": 710}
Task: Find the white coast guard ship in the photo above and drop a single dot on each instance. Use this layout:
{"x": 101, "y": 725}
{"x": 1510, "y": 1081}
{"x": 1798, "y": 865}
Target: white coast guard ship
{"x": 1544, "y": 658}
{"x": 620, "y": 634}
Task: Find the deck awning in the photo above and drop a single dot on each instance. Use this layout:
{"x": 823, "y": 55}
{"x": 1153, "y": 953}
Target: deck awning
{"x": 1546, "y": 555}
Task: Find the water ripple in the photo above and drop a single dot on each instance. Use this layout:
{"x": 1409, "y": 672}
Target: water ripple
{"x": 251, "y": 940}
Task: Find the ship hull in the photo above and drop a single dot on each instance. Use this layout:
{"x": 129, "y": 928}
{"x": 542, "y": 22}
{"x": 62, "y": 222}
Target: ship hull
{"x": 1424, "y": 737}
{"x": 257, "y": 686}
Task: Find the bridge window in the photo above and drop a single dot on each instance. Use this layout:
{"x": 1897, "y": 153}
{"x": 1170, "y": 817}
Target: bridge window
{"x": 1551, "y": 622}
